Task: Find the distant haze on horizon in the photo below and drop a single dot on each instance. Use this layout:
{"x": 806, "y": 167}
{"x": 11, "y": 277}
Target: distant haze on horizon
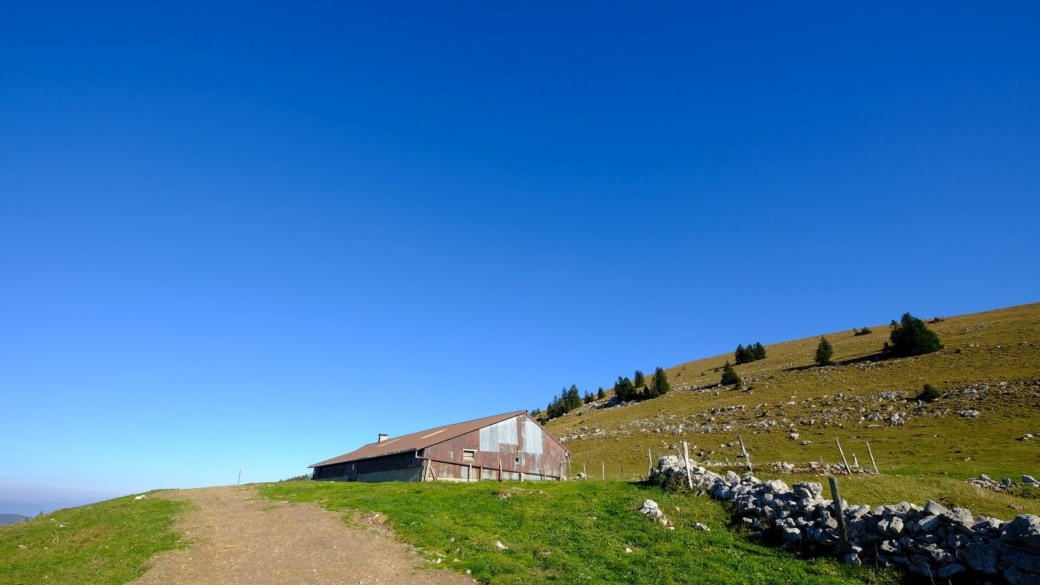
{"x": 256, "y": 236}
{"x": 33, "y": 498}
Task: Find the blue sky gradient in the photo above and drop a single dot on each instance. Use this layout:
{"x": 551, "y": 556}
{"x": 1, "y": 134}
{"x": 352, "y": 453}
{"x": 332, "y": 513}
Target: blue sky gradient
{"x": 257, "y": 236}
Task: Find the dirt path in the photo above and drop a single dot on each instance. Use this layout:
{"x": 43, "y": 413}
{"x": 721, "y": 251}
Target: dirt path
{"x": 239, "y": 537}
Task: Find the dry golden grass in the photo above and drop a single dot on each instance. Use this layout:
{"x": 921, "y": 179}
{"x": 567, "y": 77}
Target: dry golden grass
{"x": 997, "y": 353}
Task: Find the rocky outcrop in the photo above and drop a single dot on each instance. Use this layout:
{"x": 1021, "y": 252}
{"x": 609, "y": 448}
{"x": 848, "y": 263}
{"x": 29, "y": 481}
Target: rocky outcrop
{"x": 929, "y": 541}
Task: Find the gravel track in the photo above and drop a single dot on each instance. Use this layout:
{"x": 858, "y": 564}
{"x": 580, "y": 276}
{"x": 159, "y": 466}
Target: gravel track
{"x": 237, "y": 536}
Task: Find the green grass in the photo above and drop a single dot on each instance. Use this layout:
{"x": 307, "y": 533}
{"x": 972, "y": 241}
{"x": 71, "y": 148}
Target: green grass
{"x": 578, "y": 531}
{"x": 982, "y": 348}
{"x": 917, "y": 489}
{"x": 103, "y": 543}
{"x": 947, "y": 491}
{"x": 569, "y": 532}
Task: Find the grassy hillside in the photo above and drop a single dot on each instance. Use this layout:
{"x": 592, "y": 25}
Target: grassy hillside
{"x": 990, "y": 364}
{"x": 573, "y": 532}
{"x": 590, "y": 531}
{"x": 103, "y": 543}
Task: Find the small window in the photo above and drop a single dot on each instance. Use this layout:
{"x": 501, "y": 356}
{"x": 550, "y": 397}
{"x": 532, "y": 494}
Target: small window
{"x": 469, "y": 454}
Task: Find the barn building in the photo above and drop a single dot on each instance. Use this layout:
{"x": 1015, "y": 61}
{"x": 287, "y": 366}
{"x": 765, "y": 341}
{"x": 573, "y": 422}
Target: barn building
{"x": 511, "y": 446}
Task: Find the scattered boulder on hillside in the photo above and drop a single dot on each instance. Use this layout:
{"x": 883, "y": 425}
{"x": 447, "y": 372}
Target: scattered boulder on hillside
{"x": 651, "y": 510}
{"x": 884, "y": 410}
{"x": 1004, "y": 485}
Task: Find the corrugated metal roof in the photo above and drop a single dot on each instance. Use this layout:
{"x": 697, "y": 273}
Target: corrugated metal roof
{"x": 419, "y": 440}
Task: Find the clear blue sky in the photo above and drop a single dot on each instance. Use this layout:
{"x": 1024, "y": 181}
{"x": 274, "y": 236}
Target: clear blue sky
{"x": 257, "y": 236}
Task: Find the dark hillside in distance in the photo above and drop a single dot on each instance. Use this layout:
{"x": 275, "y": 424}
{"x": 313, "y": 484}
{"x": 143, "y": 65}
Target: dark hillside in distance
{"x": 31, "y": 509}
{"x": 12, "y": 518}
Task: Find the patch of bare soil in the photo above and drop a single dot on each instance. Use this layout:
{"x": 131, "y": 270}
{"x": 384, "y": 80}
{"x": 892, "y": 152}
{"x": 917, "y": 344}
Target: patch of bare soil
{"x": 238, "y": 537}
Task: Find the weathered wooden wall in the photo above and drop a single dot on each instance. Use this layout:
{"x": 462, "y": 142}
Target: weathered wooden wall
{"x": 514, "y": 449}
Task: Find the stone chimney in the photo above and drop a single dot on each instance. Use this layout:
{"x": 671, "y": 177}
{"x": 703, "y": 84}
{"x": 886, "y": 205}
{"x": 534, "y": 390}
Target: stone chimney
{"x": 383, "y": 437}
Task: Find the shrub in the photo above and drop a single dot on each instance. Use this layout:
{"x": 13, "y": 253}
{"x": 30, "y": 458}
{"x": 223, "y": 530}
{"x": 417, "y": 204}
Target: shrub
{"x": 929, "y": 394}
{"x": 912, "y": 337}
{"x": 1029, "y": 492}
{"x": 674, "y": 483}
{"x": 864, "y": 331}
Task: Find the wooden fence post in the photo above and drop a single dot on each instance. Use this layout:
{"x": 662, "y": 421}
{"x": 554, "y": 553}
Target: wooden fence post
{"x": 650, "y": 464}
{"x": 843, "y": 459}
{"x": 686, "y": 459}
{"x": 839, "y": 512}
{"x": 744, "y": 451}
{"x": 603, "y": 470}
{"x": 872, "y": 462}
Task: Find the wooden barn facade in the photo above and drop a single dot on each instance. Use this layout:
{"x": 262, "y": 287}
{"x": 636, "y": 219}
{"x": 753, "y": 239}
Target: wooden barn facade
{"x": 511, "y": 446}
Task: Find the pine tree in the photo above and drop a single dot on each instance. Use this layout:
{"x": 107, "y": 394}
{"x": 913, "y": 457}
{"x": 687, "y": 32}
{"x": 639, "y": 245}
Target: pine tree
{"x": 660, "y": 385}
{"x": 624, "y": 389}
{"x": 824, "y": 351}
{"x": 555, "y": 408}
{"x": 639, "y": 380}
{"x": 573, "y": 399}
{"x": 729, "y": 376}
{"x": 601, "y": 394}
{"x": 741, "y": 355}
{"x": 758, "y": 351}
{"x": 912, "y": 337}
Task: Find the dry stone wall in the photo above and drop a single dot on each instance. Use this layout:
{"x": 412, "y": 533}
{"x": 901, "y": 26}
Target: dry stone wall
{"x": 930, "y": 541}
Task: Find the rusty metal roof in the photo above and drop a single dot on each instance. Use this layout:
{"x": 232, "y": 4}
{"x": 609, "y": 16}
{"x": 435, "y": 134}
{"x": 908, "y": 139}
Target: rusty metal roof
{"x": 419, "y": 440}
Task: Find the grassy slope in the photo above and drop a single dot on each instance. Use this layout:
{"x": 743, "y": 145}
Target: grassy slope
{"x": 983, "y": 348}
{"x": 578, "y": 531}
{"x": 571, "y": 532}
{"x": 103, "y": 543}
